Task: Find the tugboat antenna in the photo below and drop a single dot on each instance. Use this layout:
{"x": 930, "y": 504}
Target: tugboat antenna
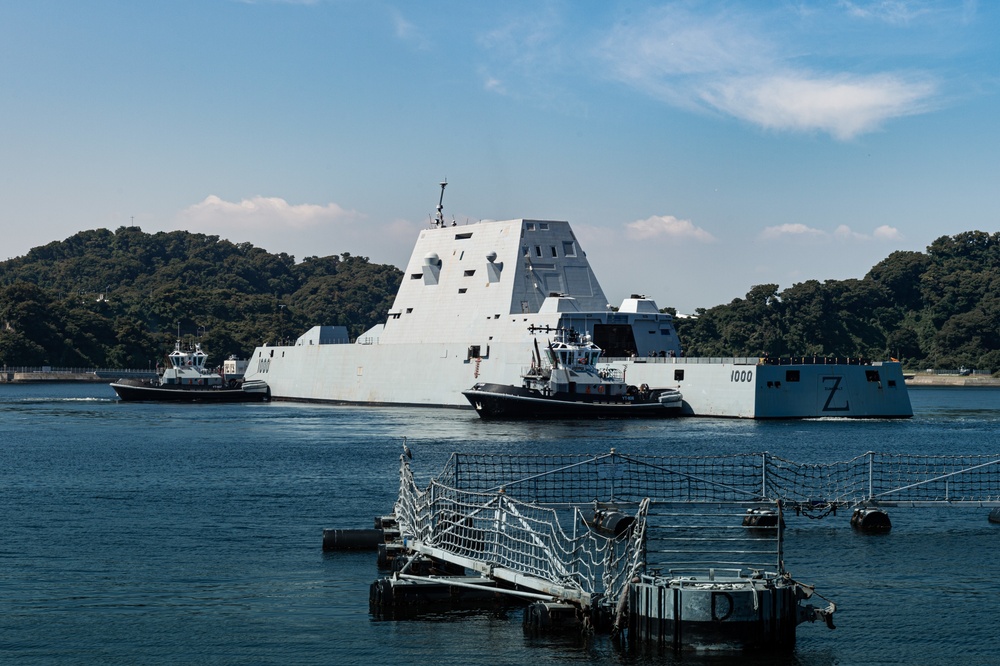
{"x": 439, "y": 220}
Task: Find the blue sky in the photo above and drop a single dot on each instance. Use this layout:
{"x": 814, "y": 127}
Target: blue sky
{"x": 698, "y": 148}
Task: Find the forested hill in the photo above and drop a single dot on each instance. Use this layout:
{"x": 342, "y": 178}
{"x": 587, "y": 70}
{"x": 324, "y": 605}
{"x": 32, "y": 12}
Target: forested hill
{"x": 935, "y": 309}
{"x": 116, "y": 299}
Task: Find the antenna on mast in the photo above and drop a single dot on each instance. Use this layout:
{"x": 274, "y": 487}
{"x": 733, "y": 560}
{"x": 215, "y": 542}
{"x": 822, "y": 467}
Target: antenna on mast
{"x": 439, "y": 219}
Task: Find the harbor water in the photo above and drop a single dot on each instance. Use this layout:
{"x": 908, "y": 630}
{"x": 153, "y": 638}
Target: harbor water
{"x": 156, "y": 533}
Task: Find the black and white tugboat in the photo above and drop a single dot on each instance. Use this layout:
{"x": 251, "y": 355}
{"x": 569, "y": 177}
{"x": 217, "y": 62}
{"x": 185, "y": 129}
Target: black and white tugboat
{"x": 569, "y": 383}
{"x": 186, "y": 379}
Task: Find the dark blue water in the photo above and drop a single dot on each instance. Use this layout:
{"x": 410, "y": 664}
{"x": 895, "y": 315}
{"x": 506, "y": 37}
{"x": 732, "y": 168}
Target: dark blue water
{"x": 143, "y": 533}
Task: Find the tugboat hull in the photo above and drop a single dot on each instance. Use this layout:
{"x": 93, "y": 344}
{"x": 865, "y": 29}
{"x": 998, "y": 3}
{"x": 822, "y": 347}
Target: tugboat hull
{"x": 497, "y": 401}
{"x": 130, "y": 391}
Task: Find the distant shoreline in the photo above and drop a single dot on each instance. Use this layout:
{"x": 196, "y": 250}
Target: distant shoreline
{"x": 915, "y": 380}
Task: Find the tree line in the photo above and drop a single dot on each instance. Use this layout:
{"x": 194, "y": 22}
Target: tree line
{"x": 119, "y": 299}
{"x": 939, "y": 308}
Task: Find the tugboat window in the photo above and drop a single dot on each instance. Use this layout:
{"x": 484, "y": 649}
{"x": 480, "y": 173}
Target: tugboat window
{"x": 791, "y": 375}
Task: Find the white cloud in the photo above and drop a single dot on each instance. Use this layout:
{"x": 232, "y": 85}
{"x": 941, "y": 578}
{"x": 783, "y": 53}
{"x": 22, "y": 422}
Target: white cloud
{"x": 493, "y": 84}
{"x": 666, "y": 225}
{"x": 406, "y": 31}
{"x": 889, "y": 11}
{"x": 842, "y": 233}
{"x": 301, "y": 230}
{"x": 732, "y": 63}
{"x": 885, "y": 232}
{"x": 796, "y": 230}
{"x": 262, "y": 212}
{"x": 842, "y": 105}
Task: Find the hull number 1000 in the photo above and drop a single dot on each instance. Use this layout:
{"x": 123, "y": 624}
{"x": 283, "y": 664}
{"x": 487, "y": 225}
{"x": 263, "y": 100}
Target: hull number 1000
{"x": 741, "y": 376}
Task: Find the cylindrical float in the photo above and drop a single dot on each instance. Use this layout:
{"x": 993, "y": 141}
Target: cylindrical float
{"x": 609, "y": 522}
{"x": 871, "y": 520}
{"x": 334, "y": 539}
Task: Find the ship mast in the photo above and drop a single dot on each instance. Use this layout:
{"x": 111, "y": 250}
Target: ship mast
{"x": 439, "y": 220}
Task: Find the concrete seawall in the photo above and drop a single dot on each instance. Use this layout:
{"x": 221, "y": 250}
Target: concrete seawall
{"x": 36, "y": 377}
{"x": 951, "y": 380}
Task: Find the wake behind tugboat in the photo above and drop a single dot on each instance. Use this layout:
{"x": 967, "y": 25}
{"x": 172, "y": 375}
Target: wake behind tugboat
{"x": 188, "y": 380}
{"x": 568, "y": 383}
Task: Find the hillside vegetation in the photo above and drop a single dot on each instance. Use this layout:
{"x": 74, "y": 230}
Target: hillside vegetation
{"x": 935, "y": 309}
{"x": 118, "y": 299}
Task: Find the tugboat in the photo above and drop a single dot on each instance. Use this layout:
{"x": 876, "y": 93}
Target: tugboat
{"x": 186, "y": 379}
{"x": 569, "y": 384}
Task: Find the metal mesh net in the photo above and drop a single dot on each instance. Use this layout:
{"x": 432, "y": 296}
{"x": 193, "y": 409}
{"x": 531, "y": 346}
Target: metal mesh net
{"x": 742, "y": 478}
{"x": 525, "y": 514}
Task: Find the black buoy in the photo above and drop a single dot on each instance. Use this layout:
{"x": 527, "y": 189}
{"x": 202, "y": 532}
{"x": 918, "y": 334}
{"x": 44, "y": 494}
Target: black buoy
{"x": 352, "y": 539}
{"x": 870, "y": 520}
{"x": 543, "y": 617}
{"x": 762, "y": 517}
{"x": 609, "y": 522}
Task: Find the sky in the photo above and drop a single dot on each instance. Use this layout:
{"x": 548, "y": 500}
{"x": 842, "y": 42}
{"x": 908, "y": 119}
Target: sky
{"x": 697, "y": 148}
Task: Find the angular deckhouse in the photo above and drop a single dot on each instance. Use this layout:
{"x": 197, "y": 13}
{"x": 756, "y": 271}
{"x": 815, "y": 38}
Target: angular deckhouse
{"x": 476, "y": 300}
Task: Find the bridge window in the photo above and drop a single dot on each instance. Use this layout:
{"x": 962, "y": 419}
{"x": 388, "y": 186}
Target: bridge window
{"x": 569, "y": 248}
{"x": 791, "y": 375}
{"x": 463, "y": 236}
{"x": 872, "y": 375}
{"x": 616, "y": 340}
{"x": 678, "y": 375}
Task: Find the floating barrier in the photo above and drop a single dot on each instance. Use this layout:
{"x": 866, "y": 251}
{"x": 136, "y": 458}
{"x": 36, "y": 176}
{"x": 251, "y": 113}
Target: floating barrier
{"x": 659, "y": 551}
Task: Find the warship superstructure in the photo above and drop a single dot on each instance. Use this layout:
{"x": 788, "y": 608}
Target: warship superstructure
{"x": 476, "y": 299}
